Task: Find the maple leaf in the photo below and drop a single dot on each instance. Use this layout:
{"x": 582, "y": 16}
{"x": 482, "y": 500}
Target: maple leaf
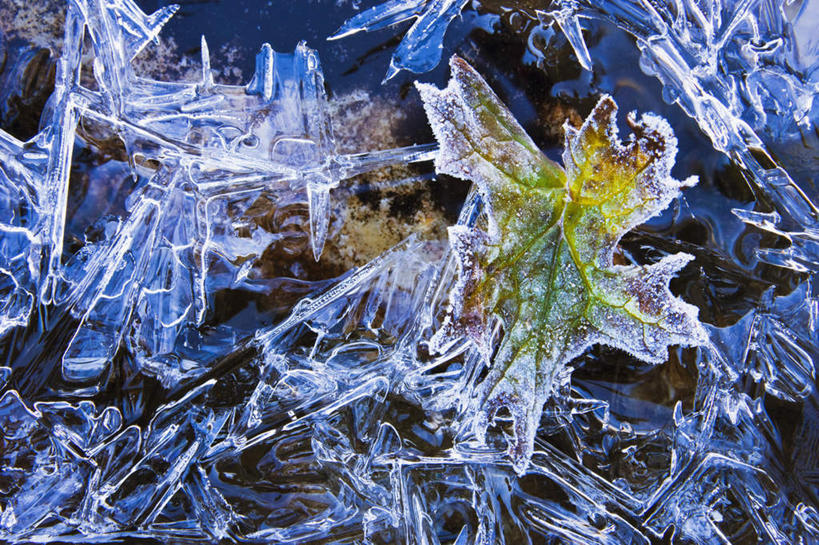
{"x": 544, "y": 266}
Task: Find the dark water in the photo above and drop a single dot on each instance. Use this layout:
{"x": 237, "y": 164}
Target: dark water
{"x": 246, "y": 24}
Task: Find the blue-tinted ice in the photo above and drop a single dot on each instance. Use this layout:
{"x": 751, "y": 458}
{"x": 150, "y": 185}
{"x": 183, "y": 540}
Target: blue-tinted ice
{"x": 337, "y": 424}
{"x": 202, "y": 153}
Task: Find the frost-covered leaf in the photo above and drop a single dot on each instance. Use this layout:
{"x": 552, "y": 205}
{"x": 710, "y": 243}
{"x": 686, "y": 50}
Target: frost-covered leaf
{"x": 546, "y": 267}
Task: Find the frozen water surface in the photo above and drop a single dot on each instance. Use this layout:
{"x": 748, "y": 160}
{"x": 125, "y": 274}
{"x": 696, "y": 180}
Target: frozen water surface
{"x": 132, "y": 411}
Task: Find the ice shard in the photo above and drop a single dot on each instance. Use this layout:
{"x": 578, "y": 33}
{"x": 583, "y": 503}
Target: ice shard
{"x": 421, "y": 49}
{"x": 202, "y": 153}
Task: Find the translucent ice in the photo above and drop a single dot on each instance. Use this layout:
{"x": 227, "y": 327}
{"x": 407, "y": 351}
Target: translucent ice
{"x": 421, "y": 48}
{"x": 201, "y": 154}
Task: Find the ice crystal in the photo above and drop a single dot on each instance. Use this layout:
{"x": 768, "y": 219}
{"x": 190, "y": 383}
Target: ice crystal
{"x": 421, "y": 49}
{"x": 202, "y": 153}
{"x": 545, "y": 267}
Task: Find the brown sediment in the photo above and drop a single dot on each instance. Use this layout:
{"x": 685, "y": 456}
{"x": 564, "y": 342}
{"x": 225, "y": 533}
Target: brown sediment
{"x": 384, "y": 207}
{"x": 374, "y": 211}
{"x": 164, "y": 61}
{"x": 39, "y": 22}
{"x": 553, "y": 114}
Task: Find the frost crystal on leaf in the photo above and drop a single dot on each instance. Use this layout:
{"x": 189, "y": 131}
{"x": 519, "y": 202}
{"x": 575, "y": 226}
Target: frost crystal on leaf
{"x": 546, "y": 266}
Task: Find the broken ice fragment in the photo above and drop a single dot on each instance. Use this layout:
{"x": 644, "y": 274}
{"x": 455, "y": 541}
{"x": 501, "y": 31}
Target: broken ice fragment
{"x": 774, "y": 344}
{"x": 20, "y": 221}
{"x": 420, "y": 50}
{"x": 803, "y": 253}
{"x": 201, "y": 155}
{"x": 545, "y": 267}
